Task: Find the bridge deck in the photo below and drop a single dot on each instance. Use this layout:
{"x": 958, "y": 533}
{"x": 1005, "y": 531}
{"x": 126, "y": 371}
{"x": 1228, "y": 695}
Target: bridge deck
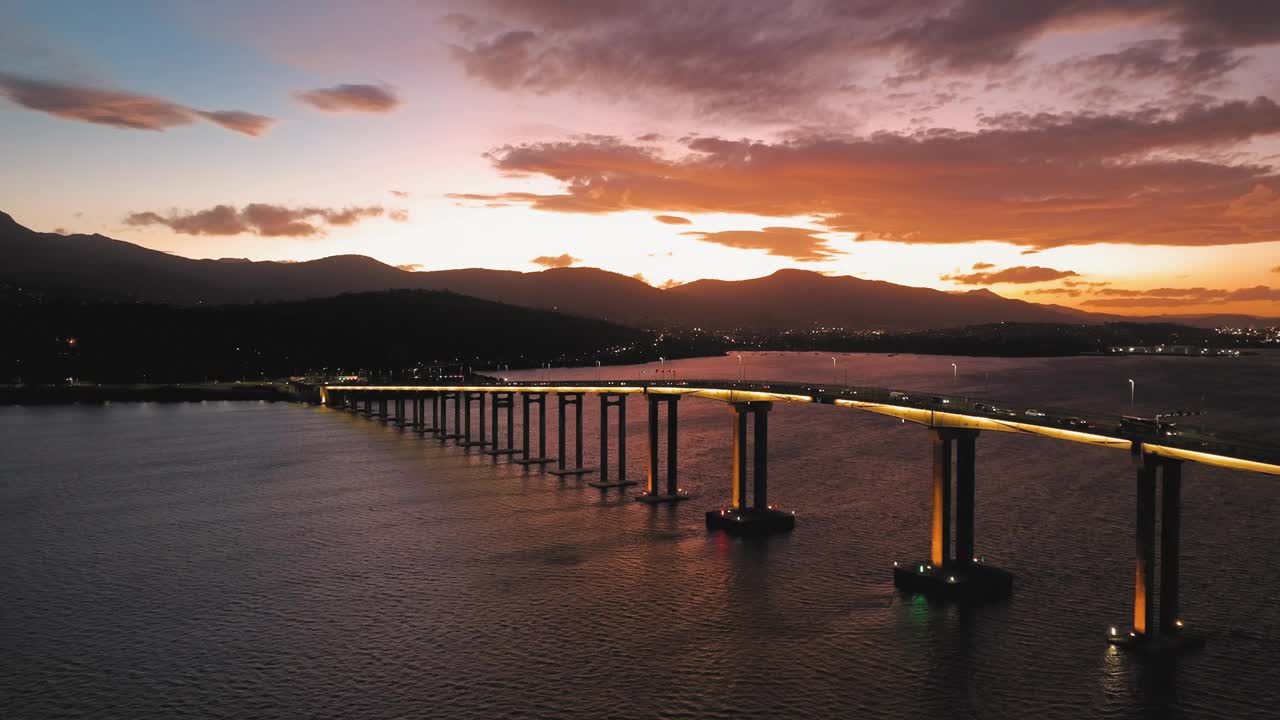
{"x": 1179, "y": 441}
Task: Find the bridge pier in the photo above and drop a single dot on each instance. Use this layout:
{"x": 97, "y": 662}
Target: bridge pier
{"x": 434, "y": 399}
{"x": 539, "y": 399}
{"x": 382, "y": 407}
{"x": 479, "y": 398}
{"x": 652, "y": 494}
{"x": 565, "y": 400}
{"x": 964, "y": 576}
{"x": 608, "y": 400}
{"x": 501, "y": 401}
{"x": 758, "y": 518}
{"x": 444, "y": 433}
{"x": 1167, "y": 633}
{"x": 401, "y": 417}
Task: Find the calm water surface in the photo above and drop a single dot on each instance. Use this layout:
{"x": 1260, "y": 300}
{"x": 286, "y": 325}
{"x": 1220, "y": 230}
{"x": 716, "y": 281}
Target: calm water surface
{"x": 246, "y": 560}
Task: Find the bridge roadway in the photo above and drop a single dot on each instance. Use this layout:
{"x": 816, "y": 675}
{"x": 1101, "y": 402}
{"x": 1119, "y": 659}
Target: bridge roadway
{"x": 1175, "y": 441}
{"x": 953, "y": 570}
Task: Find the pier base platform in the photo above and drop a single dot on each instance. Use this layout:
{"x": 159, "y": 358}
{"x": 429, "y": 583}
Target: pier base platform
{"x": 475, "y": 443}
{"x": 571, "y": 471}
{"x": 508, "y": 451}
{"x": 977, "y": 582}
{"x": 1166, "y": 643}
{"x": 751, "y": 521}
{"x": 660, "y": 498}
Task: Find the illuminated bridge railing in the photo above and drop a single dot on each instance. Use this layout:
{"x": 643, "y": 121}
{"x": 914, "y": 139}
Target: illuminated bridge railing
{"x": 938, "y": 410}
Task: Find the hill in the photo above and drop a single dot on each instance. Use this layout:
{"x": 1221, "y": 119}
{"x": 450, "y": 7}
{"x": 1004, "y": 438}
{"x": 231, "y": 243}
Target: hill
{"x": 384, "y": 332}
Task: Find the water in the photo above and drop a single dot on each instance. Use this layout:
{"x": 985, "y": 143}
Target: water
{"x": 248, "y": 560}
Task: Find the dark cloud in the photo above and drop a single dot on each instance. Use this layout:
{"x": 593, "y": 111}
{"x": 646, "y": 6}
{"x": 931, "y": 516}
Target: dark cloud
{"x": 556, "y": 261}
{"x": 120, "y": 109}
{"x": 768, "y": 58}
{"x": 399, "y": 193}
{"x": 1172, "y": 297}
{"x": 724, "y": 55}
{"x": 1021, "y": 274}
{"x": 1159, "y": 59}
{"x": 1039, "y": 181}
{"x": 795, "y": 243}
{"x": 256, "y": 218}
{"x": 351, "y": 98}
{"x": 970, "y": 34}
{"x": 1276, "y": 269}
{"x": 983, "y": 266}
{"x": 672, "y": 219}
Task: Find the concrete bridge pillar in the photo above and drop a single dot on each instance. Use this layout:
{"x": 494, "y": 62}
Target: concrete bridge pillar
{"x": 539, "y": 399}
{"x": 401, "y": 418}
{"x": 503, "y": 401}
{"x": 434, "y": 426}
{"x": 750, "y": 513}
{"x": 478, "y": 397}
{"x": 654, "y": 494}
{"x": 382, "y": 407}
{"x": 608, "y": 400}
{"x": 1152, "y": 631}
{"x": 962, "y": 575}
{"x": 445, "y": 398}
{"x": 565, "y": 400}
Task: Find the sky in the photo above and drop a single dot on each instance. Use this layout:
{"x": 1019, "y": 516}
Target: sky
{"x": 1117, "y": 156}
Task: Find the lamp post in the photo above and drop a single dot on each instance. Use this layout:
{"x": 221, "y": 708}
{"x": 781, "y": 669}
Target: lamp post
{"x": 597, "y": 371}
{"x": 834, "y": 376}
{"x": 1131, "y": 393}
{"x": 955, "y": 373}
{"x": 742, "y": 373}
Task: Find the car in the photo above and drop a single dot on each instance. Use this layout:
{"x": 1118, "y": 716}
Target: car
{"x": 1035, "y": 413}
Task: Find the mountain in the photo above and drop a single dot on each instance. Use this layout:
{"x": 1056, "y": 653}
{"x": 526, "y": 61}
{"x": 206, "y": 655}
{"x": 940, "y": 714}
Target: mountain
{"x": 94, "y": 267}
{"x": 800, "y": 298}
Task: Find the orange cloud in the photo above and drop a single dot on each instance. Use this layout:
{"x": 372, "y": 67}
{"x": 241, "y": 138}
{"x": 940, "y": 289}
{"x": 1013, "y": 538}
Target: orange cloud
{"x": 1038, "y": 181}
{"x": 1021, "y": 274}
{"x": 257, "y": 218}
{"x": 983, "y": 266}
{"x": 556, "y": 261}
{"x": 672, "y": 219}
{"x": 1172, "y": 297}
{"x": 351, "y": 98}
{"x": 120, "y": 109}
{"x": 795, "y": 243}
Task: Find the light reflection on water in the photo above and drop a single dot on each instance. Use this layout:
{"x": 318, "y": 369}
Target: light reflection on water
{"x": 260, "y": 560}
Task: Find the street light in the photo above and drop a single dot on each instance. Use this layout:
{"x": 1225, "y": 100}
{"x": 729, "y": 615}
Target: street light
{"x": 1131, "y": 393}
{"x": 833, "y": 370}
{"x": 955, "y": 373}
{"x": 742, "y": 372}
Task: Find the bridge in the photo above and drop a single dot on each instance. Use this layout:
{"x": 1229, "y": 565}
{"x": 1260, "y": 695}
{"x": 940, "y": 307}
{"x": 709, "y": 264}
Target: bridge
{"x": 953, "y": 569}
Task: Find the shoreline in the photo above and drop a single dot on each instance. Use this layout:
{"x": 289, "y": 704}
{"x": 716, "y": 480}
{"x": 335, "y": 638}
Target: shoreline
{"x": 168, "y": 392}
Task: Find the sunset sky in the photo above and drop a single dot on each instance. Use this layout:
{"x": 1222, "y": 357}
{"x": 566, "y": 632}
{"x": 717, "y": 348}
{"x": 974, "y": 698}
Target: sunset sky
{"x": 1114, "y": 156}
